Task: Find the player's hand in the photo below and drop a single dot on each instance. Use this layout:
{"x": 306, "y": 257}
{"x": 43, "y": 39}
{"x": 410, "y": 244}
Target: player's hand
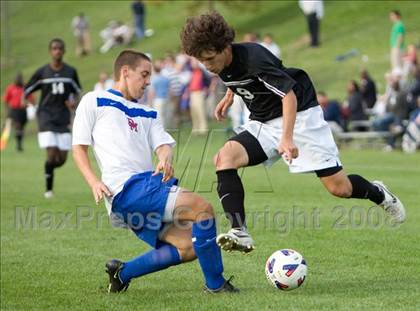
{"x": 288, "y": 150}
{"x": 98, "y": 190}
{"x": 223, "y": 105}
{"x": 164, "y": 166}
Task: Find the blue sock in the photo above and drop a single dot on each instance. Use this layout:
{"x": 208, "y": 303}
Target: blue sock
{"x": 208, "y": 253}
{"x": 152, "y": 261}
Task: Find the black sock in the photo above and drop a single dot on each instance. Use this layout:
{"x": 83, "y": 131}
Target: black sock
{"x": 49, "y": 175}
{"x": 19, "y": 138}
{"x": 364, "y": 189}
{"x": 231, "y": 194}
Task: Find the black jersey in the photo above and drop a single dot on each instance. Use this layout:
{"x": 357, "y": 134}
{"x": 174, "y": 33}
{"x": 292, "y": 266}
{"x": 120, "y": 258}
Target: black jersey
{"x": 56, "y": 88}
{"x": 262, "y": 81}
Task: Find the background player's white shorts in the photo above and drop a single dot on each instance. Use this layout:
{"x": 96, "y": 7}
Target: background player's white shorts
{"x": 52, "y": 139}
{"x": 311, "y": 135}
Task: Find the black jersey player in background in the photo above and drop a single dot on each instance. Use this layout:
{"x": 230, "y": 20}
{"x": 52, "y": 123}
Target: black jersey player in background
{"x": 286, "y": 122}
{"x": 60, "y": 88}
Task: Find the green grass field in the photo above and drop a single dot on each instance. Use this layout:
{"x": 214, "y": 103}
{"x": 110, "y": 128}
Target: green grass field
{"x": 53, "y": 251}
{"x": 356, "y": 258}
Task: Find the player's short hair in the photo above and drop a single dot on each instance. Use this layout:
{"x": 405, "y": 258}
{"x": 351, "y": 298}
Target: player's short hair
{"x": 56, "y": 40}
{"x": 207, "y": 32}
{"x": 128, "y": 58}
{"x": 396, "y": 12}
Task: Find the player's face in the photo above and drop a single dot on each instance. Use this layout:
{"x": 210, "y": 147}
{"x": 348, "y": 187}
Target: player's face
{"x": 138, "y": 80}
{"x": 57, "y": 51}
{"x": 213, "y": 61}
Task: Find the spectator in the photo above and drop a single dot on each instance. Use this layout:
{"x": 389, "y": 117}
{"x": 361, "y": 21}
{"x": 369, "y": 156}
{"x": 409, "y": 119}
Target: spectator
{"x": 172, "y": 71}
{"x": 270, "y": 45}
{"x": 115, "y": 33}
{"x": 197, "y": 90}
{"x": 396, "y": 112}
{"x": 368, "y": 89}
{"x": 355, "y": 103}
{"x": 413, "y": 92}
{"x": 397, "y": 40}
{"x": 411, "y": 137}
{"x": 314, "y": 12}
{"x": 158, "y": 95}
{"x": 410, "y": 60}
{"x": 16, "y": 108}
{"x": 332, "y": 111}
{"x": 104, "y": 83}
{"x": 139, "y": 11}
{"x": 80, "y": 27}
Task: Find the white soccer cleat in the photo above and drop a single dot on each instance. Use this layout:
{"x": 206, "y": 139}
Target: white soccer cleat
{"x": 391, "y": 204}
{"x": 237, "y": 239}
{"x": 49, "y": 194}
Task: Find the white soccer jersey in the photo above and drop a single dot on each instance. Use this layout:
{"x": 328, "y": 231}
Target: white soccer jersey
{"x": 123, "y": 135}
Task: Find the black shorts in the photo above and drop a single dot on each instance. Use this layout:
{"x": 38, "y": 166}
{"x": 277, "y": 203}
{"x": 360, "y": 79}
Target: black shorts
{"x": 18, "y": 115}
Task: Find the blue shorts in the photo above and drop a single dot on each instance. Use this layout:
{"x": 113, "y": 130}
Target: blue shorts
{"x": 141, "y": 204}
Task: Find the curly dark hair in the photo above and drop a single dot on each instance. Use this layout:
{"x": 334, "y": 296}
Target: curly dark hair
{"x": 207, "y": 32}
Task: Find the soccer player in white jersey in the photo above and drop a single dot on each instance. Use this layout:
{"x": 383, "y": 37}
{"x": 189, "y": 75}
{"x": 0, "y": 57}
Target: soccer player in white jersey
{"x": 177, "y": 223}
{"x": 286, "y": 121}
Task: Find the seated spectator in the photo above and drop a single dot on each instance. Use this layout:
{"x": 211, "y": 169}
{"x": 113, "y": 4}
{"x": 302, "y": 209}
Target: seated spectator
{"x": 332, "y": 111}
{"x": 411, "y": 137}
{"x": 270, "y": 45}
{"x": 413, "y": 91}
{"x": 355, "y": 107}
{"x": 115, "y": 33}
{"x": 104, "y": 83}
{"x": 367, "y": 89}
{"x": 396, "y": 112}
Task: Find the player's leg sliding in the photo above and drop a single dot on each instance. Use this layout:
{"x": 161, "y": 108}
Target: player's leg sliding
{"x": 231, "y": 194}
{"x": 209, "y": 256}
{"x": 120, "y": 274}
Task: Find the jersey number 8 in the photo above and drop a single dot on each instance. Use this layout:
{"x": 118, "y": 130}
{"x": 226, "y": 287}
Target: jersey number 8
{"x": 245, "y": 93}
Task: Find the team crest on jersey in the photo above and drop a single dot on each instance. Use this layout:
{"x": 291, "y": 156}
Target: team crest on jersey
{"x": 132, "y": 124}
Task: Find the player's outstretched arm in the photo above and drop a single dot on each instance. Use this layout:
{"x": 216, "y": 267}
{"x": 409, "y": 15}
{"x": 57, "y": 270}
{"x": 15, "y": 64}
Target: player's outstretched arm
{"x": 81, "y": 158}
{"x": 164, "y": 154}
{"x": 286, "y": 145}
{"x": 223, "y": 105}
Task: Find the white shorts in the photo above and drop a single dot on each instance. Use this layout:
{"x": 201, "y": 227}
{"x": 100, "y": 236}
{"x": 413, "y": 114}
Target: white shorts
{"x": 168, "y": 215}
{"x": 52, "y": 139}
{"x": 311, "y": 135}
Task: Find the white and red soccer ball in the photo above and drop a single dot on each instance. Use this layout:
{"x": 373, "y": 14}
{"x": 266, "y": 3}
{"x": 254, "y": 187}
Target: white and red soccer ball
{"x": 286, "y": 269}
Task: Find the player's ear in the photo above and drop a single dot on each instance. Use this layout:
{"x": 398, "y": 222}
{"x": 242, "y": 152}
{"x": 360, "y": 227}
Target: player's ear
{"x": 124, "y": 71}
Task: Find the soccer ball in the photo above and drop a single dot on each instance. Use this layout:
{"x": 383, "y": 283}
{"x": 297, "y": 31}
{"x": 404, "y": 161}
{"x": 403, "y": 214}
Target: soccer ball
{"x": 286, "y": 269}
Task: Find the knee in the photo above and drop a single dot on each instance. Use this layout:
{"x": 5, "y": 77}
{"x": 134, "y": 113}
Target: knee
{"x": 224, "y": 159}
{"x": 205, "y": 210}
{"x": 341, "y": 190}
{"x": 60, "y": 162}
{"x": 187, "y": 253}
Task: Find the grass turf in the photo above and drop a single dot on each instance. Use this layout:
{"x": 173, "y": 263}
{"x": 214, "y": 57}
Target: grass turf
{"x": 356, "y": 258}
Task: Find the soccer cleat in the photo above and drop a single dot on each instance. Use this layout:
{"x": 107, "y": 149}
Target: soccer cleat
{"x": 113, "y": 268}
{"x": 227, "y": 287}
{"x": 49, "y": 194}
{"x": 237, "y": 239}
{"x": 391, "y": 204}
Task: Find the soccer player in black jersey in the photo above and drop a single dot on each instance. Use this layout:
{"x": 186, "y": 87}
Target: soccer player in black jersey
{"x": 60, "y": 88}
{"x": 286, "y": 122}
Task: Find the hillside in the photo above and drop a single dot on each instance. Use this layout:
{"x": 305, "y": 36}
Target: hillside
{"x": 361, "y": 25}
